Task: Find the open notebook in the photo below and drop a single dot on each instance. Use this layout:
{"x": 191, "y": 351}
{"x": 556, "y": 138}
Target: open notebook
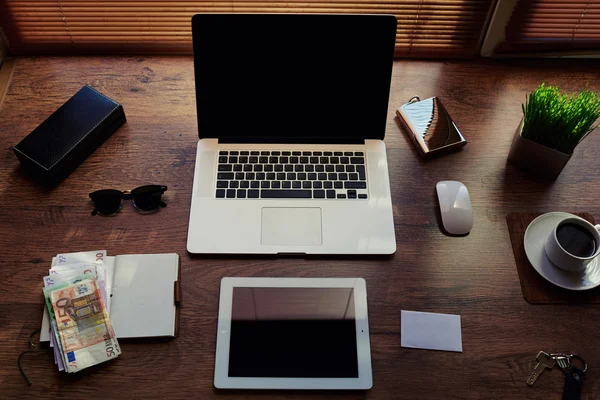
{"x": 143, "y": 296}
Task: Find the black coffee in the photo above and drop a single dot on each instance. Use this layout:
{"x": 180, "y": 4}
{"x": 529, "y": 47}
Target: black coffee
{"x": 576, "y": 239}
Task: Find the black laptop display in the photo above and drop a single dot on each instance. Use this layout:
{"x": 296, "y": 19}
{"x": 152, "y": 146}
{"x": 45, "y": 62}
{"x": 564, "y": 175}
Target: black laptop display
{"x": 286, "y": 79}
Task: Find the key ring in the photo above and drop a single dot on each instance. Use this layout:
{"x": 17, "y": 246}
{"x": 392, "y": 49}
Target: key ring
{"x": 564, "y": 360}
{"x": 576, "y": 357}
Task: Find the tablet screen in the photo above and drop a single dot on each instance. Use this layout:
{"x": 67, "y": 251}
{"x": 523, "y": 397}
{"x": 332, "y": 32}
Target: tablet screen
{"x": 293, "y": 333}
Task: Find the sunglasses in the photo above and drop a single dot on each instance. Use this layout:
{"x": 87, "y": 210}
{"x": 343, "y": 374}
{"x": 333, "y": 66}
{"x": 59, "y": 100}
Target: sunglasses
{"x": 145, "y": 199}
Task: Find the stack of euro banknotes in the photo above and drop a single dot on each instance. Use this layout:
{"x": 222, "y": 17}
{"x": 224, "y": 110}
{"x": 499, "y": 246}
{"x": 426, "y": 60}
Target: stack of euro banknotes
{"x": 75, "y": 296}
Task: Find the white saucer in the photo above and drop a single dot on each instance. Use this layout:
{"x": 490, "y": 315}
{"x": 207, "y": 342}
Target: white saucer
{"x": 535, "y": 236}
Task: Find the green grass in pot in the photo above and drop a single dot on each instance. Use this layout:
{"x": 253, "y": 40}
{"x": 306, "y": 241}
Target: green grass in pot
{"x": 558, "y": 121}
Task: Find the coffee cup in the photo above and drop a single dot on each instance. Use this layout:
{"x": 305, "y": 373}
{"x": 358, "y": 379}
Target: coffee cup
{"x": 572, "y": 244}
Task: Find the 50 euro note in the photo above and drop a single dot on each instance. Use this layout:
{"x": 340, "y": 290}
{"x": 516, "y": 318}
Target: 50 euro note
{"x": 81, "y": 324}
{"x": 65, "y": 259}
{"x": 62, "y": 273}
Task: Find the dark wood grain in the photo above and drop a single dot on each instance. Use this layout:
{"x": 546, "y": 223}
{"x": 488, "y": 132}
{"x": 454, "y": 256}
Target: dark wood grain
{"x": 474, "y": 276}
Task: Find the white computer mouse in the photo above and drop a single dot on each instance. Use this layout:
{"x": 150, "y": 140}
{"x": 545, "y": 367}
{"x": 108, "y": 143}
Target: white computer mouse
{"x": 455, "y": 206}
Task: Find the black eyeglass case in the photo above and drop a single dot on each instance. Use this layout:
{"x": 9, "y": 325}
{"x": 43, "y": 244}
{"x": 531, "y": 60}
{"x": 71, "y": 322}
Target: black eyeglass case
{"x": 63, "y": 141}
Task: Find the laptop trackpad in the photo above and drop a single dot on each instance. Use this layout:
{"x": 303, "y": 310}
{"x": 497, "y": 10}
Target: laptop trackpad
{"x": 289, "y": 226}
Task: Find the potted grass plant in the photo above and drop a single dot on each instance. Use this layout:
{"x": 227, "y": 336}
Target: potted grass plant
{"x": 553, "y": 125}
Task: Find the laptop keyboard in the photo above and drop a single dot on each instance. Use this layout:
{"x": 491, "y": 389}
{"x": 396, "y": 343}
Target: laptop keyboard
{"x": 291, "y": 175}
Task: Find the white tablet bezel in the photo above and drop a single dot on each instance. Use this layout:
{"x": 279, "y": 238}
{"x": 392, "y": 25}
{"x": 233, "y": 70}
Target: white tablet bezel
{"x": 365, "y": 376}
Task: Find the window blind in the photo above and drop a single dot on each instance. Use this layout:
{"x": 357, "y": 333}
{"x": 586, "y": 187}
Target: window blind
{"x": 553, "y": 25}
{"x": 436, "y": 28}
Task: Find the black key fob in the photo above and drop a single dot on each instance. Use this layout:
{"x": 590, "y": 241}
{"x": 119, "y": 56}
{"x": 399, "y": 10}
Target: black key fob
{"x": 573, "y": 383}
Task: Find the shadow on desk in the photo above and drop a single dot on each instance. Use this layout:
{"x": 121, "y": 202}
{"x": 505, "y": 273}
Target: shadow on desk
{"x": 19, "y": 177}
{"x": 337, "y": 257}
{"x": 148, "y": 340}
{"x": 263, "y": 394}
{"x": 531, "y": 190}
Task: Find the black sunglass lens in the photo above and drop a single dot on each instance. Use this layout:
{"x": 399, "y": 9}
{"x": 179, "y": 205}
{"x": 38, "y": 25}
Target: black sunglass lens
{"x": 147, "y": 198}
{"x": 107, "y": 201}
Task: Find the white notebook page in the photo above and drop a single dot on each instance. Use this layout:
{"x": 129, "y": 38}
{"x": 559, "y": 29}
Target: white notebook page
{"x": 142, "y": 302}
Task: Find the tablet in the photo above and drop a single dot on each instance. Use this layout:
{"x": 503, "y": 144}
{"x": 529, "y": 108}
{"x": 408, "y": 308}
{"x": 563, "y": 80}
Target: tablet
{"x": 293, "y": 333}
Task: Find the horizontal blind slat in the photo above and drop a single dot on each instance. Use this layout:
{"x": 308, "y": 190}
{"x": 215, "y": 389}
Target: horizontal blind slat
{"x": 188, "y": 14}
{"x": 100, "y": 25}
{"x": 170, "y": 30}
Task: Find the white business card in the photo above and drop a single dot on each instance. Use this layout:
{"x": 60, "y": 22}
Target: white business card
{"x": 422, "y": 330}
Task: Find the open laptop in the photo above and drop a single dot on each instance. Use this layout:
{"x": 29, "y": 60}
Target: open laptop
{"x": 292, "y": 114}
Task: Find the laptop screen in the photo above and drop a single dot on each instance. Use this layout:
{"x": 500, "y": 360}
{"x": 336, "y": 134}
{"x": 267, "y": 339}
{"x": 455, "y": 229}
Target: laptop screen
{"x": 292, "y": 77}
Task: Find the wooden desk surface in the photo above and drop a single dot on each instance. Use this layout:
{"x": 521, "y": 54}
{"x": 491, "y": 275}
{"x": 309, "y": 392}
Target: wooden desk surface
{"x": 474, "y": 276}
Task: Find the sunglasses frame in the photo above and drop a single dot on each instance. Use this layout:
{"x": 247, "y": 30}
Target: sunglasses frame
{"x": 130, "y": 195}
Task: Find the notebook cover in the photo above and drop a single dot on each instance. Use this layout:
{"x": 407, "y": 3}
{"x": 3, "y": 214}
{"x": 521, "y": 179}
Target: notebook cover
{"x": 177, "y": 295}
{"x": 66, "y": 138}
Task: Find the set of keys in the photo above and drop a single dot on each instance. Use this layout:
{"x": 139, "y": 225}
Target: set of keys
{"x": 574, "y": 374}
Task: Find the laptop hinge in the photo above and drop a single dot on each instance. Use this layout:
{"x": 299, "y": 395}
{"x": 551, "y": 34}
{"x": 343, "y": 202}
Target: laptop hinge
{"x": 310, "y": 140}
